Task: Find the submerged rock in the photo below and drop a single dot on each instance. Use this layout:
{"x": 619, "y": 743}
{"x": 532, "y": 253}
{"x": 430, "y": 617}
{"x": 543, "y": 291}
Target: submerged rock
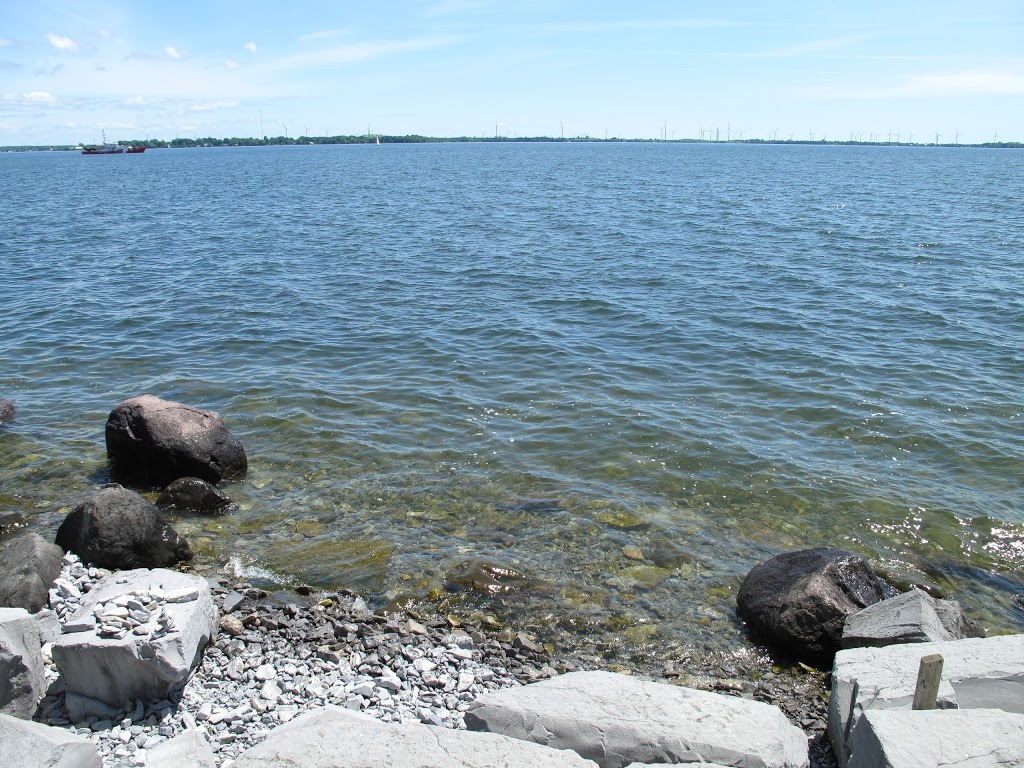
{"x": 154, "y": 442}
{"x": 6, "y": 410}
{"x": 117, "y": 528}
{"x": 483, "y": 575}
{"x": 194, "y": 495}
{"x": 798, "y": 602}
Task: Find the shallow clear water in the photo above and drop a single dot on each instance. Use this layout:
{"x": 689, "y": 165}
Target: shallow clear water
{"x": 543, "y": 354}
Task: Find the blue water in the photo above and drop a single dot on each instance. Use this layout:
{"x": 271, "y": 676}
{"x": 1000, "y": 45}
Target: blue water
{"x": 546, "y": 354}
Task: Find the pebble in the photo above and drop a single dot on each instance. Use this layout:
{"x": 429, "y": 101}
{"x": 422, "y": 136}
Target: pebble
{"x": 281, "y": 660}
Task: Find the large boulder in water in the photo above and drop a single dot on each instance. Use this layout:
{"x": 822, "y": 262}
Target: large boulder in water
{"x": 6, "y": 410}
{"x": 29, "y": 565}
{"x": 798, "y": 602}
{"x": 118, "y": 529}
{"x": 154, "y": 442}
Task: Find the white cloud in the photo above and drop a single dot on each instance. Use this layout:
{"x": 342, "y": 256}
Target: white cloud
{"x": 324, "y": 34}
{"x": 137, "y": 101}
{"x": 42, "y": 96}
{"x": 212, "y": 105}
{"x": 231, "y": 64}
{"x": 250, "y": 47}
{"x": 4, "y": 42}
{"x": 966, "y": 83}
{"x": 104, "y": 33}
{"x": 173, "y": 52}
{"x": 374, "y": 49}
{"x": 62, "y": 43}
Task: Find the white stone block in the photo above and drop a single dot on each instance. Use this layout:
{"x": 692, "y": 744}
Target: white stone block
{"x": 970, "y": 738}
{"x": 331, "y": 737}
{"x": 24, "y": 744}
{"x": 22, "y": 680}
{"x": 188, "y": 749}
{"x": 981, "y": 673}
{"x": 616, "y": 720}
{"x": 119, "y": 670}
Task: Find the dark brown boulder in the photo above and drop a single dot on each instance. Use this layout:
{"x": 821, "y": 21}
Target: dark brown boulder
{"x": 118, "y": 529}
{"x": 29, "y": 565}
{"x": 193, "y": 495}
{"x": 152, "y": 442}
{"x": 6, "y": 410}
{"x": 798, "y": 602}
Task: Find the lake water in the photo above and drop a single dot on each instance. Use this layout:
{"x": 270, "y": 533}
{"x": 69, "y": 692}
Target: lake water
{"x": 563, "y": 357}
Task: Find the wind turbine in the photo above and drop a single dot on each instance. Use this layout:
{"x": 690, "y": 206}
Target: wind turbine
{"x": 936, "y": 138}
{"x": 561, "y": 128}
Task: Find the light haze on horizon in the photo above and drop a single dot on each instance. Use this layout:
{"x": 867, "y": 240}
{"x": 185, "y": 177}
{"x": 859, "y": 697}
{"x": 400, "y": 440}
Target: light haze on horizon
{"x": 834, "y": 70}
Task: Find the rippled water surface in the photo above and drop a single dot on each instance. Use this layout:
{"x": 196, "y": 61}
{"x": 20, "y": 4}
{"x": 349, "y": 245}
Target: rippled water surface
{"x": 629, "y": 371}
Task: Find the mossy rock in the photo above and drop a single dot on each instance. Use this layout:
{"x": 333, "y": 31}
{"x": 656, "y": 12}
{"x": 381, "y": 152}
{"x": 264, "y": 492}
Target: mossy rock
{"x": 621, "y": 519}
{"x": 350, "y": 563}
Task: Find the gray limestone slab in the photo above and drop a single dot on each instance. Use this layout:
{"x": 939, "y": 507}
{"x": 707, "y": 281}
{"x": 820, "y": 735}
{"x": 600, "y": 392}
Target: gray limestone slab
{"x": 334, "y": 738}
{"x": 22, "y": 680}
{"x": 616, "y": 720}
{"x": 980, "y": 673}
{"x": 188, "y": 749}
{"x": 26, "y": 744}
{"x": 969, "y": 738}
{"x": 913, "y": 617}
{"x": 150, "y": 666}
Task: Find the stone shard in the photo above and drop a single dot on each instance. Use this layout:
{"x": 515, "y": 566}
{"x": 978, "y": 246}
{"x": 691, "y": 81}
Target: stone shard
{"x": 117, "y": 528}
{"x": 116, "y": 671}
{"x": 332, "y": 736}
{"x": 193, "y": 495}
{"x": 977, "y": 673}
{"x": 33, "y": 745}
{"x": 798, "y": 602}
{"x": 970, "y": 738}
{"x": 29, "y": 565}
{"x": 154, "y": 442}
{"x": 188, "y": 749}
{"x": 913, "y": 617}
{"x": 616, "y": 720}
{"x": 22, "y": 681}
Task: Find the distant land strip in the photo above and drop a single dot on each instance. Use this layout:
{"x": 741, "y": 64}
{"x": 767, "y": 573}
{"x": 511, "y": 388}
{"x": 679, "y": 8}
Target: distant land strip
{"x": 371, "y": 138}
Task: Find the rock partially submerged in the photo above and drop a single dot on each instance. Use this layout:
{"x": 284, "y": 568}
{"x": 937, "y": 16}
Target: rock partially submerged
{"x": 6, "y": 410}
{"x": 193, "y": 495}
{"x": 117, "y": 528}
{"x": 616, "y": 720}
{"x": 798, "y": 602}
{"x": 138, "y": 635}
{"x": 154, "y": 442}
{"x": 28, "y": 567}
{"x": 337, "y": 737}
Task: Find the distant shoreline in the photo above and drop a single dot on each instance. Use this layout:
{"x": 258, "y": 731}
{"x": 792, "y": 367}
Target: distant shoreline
{"x": 276, "y": 141}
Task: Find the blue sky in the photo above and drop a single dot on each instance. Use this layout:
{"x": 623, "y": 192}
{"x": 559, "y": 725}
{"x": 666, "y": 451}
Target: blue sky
{"x": 469, "y": 67}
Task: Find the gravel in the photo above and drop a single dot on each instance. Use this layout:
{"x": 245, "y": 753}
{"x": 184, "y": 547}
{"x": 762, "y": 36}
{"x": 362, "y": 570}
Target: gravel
{"x": 280, "y": 654}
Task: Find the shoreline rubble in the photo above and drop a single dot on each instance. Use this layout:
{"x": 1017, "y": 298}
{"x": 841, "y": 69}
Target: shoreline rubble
{"x": 281, "y": 655}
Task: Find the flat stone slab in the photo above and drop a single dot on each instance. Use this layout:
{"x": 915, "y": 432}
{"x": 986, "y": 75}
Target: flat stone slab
{"x": 25, "y": 744}
{"x": 616, "y": 720}
{"x": 970, "y": 738}
{"x": 978, "y": 673}
{"x": 22, "y": 681}
{"x": 142, "y": 649}
{"x": 332, "y": 737}
{"x": 188, "y": 749}
{"x": 913, "y": 617}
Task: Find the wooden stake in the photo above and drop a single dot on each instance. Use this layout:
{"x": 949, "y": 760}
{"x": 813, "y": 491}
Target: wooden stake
{"x": 928, "y": 678}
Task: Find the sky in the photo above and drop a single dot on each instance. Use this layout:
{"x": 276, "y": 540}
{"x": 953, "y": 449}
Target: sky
{"x": 70, "y": 71}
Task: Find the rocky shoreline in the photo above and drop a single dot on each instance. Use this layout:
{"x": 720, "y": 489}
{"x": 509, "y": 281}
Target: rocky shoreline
{"x": 281, "y": 654}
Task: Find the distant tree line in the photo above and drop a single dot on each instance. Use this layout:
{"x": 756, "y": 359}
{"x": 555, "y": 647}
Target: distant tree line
{"x": 210, "y": 141}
